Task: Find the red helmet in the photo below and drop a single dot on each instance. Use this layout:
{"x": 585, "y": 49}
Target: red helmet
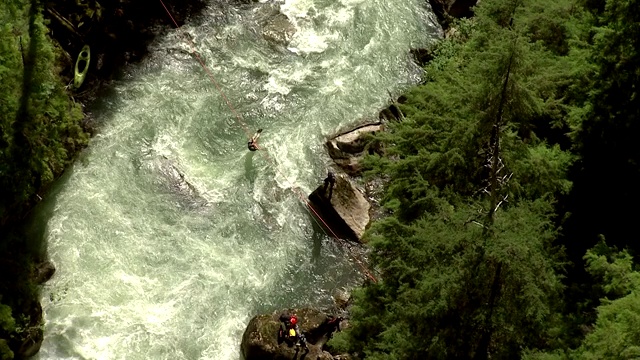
{"x": 294, "y": 320}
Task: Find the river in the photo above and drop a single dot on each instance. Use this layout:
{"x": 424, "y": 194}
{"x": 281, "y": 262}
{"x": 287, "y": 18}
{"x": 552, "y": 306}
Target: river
{"x": 168, "y": 235}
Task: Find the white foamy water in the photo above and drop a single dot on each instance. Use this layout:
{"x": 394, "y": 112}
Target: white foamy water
{"x": 167, "y": 234}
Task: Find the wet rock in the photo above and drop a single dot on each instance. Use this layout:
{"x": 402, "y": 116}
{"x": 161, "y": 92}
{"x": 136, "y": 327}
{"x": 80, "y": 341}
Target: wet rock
{"x": 422, "y": 56}
{"x": 348, "y": 149}
{"x": 341, "y": 298}
{"x": 351, "y": 142}
{"x": 43, "y": 272}
{"x": 277, "y": 28}
{"x": 344, "y": 208}
{"x": 31, "y": 342}
{"x": 167, "y": 175}
{"x": 260, "y": 339}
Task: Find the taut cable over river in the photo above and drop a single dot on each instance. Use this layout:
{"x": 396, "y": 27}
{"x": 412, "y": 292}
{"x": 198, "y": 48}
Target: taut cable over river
{"x": 168, "y": 234}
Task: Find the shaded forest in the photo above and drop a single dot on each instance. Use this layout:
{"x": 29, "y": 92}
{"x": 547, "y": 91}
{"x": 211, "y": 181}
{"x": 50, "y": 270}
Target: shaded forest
{"x": 510, "y": 184}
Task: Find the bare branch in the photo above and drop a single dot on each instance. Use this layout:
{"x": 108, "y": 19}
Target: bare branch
{"x": 479, "y": 224}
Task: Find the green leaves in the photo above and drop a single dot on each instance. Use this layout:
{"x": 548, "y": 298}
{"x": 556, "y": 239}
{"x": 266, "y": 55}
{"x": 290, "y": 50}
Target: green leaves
{"x": 541, "y": 171}
{"x": 438, "y": 285}
{"x": 615, "y": 271}
{"x": 39, "y": 123}
{"x": 617, "y": 331}
{"x": 468, "y": 261}
{"x": 7, "y": 323}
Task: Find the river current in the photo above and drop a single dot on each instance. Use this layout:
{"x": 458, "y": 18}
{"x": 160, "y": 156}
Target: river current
{"x": 168, "y": 235}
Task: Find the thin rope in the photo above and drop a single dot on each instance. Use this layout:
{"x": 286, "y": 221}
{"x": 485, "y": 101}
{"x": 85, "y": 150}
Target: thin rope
{"x": 239, "y": 119}
{"x": 206, "y": 69}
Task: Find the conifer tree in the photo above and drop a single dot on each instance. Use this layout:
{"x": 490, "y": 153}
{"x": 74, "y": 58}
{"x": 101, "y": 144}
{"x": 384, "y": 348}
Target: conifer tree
{"x": 609, "y": 168}
{"x": 467, "y": 267}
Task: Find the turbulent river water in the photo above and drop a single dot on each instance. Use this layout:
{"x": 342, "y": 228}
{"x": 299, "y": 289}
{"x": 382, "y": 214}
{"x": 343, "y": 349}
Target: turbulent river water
{"x": 168, "y": 235}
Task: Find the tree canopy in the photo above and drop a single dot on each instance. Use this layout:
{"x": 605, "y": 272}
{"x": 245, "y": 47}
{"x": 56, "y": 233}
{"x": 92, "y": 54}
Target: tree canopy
{"x": 479, "y": 176}
{"x": 39, "y": 123}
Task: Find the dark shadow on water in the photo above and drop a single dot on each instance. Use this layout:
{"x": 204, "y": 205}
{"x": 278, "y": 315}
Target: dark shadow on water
{"x": 250, "y": 171}
{"x": 34, "y": 227}
{"x": 317, "y": 236}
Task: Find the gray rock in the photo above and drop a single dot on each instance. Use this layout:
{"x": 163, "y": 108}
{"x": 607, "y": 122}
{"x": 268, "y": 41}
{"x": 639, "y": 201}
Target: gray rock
{"x": 351, "y": 142}
{"x": 277, "y": 28}
{"x": 347, "y": 149}
{"x": 344, "y": 208}
{"x": 167, "y": 175}
{"x": 342, "y": 298}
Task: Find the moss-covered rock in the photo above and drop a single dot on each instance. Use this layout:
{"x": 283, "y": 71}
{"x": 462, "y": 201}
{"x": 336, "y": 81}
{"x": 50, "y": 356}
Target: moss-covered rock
{"x": 260, "y": 339}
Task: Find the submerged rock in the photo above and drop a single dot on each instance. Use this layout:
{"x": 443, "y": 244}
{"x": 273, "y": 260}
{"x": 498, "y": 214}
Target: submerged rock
{"x": 168, "y": 176}
{"x": 277, "y": 28}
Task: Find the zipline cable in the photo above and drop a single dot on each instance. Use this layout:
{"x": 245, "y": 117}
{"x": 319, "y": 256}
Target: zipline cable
{"x": 206, "y": 69}
{"x": 240, "y": 121}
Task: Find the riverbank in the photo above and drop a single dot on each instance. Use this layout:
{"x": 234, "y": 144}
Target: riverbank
{"x": 118, "y": 34}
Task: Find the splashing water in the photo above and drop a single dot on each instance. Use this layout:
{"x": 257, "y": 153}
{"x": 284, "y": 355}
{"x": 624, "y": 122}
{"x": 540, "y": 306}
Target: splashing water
{"x": 168, "y": 235}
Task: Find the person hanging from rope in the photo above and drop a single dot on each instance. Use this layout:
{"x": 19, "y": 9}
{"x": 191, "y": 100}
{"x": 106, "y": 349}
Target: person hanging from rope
{"x": 253, "y": 142}
{"x": 329, "y": 182}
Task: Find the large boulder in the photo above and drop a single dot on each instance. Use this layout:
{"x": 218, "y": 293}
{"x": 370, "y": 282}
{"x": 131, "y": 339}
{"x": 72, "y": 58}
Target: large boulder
{"x": 344, "y": 208}
{"x": 348, "y": 148}
{"x": 260, "y": 338}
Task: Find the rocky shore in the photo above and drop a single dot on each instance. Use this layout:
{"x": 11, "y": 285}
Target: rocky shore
{"x": 116, "y": 31}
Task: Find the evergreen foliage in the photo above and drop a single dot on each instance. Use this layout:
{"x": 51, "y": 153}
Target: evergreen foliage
{"x": 531, "y": 102}
{"x": 445, "y": 281}
{"x": 7, "y": 327}
{"x": 474, "y": 174}
{"x": 610, "y": 156}
{"x": 39, "y": 124}
{"x": 615, "y": 334}
{"x": 40, "y": 133}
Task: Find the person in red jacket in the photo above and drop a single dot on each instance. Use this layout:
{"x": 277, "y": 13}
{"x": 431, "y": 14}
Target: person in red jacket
{"x": 290, "y": 332}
